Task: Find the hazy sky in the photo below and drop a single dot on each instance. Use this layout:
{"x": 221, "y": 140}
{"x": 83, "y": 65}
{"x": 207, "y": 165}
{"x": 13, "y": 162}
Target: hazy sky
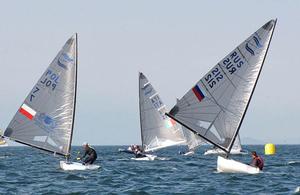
{"x": 174, "y": 43}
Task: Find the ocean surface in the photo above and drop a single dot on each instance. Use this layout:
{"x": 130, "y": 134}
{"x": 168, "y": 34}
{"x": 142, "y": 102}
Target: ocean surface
{"x": 28, "y": 171}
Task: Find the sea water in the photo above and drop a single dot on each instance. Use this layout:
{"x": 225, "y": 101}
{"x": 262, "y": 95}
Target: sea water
{"x": 28, "y": 171}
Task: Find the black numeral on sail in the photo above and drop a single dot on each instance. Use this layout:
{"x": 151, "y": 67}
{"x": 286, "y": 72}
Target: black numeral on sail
{"x": 213, "y": 77}
{"x": 32, "y": 95}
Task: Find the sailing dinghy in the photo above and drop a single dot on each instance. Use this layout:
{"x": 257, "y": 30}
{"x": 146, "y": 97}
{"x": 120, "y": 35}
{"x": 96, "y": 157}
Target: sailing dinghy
{"x": 45, "y": 120}
{"x": 3, "y": 142}
{"x": 236, "y": 149}
{"x": 193, "y": 141}
{"x": 157, "y": 130}
{"x": 216, "y": 106}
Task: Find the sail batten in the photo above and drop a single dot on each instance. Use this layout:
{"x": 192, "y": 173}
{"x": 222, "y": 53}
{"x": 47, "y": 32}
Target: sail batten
{"x": 157, "y": 130}
{"x": 220, "y": 99}
{"x": 45, "y": 119}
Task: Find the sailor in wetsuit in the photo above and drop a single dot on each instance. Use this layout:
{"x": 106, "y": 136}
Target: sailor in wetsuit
{"x": 138, "y": 152}
{"x": 257, "y": 161}
{"x": 92, "y": 155}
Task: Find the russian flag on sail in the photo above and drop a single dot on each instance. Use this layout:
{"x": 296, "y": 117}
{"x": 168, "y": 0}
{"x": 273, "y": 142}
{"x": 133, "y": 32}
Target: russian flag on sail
{"x": 27, "y": 111}
{"x": 198, "y": 93}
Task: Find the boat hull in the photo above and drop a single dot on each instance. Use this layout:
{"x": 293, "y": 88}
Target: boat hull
{"x": 75, "y": 166}
{"x": 218, "y": 151}
{"x": 148, "y": 157}
{"x": 231, "y": 166}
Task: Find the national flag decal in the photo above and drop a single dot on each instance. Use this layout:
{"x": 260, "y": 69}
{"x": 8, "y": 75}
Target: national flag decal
{"x": 198, "y": 93}
{"x": 27, "y": 111}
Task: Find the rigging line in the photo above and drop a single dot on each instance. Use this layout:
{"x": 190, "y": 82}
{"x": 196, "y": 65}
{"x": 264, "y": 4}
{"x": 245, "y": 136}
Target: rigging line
{"x": 215, "y": 101}
{"x": 195, "y": 132}
{"x": 212, "y": 123}
{"x": 242, "y": 54}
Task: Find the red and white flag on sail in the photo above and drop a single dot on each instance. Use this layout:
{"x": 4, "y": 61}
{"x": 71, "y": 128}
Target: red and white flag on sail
{"x": 27, "y": 111}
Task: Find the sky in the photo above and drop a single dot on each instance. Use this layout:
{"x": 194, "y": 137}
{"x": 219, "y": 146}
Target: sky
{"x": 174, "y": 43}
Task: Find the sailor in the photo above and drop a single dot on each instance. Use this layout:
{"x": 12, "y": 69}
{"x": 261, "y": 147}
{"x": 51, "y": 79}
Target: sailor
{"x": 138, "y": 152}
{"x": 257, "y": 161}
{"x": 90, "y": 152}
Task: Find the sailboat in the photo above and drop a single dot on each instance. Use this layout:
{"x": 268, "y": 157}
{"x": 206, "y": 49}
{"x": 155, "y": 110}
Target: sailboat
{"x": 236, "y": 148}
{"x": 215, "y": 107}
{"x": 3, "y": 142}
{"x": 193, "y": 141}
{"x": 157, "y": 130}
{"x": 45, "y": 120}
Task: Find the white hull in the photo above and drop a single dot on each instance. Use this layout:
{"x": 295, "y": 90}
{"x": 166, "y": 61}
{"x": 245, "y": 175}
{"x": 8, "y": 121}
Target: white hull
{"x": 231, "y": 166}
{"x": 148, "y": 157}
{"x": 73, "y": 166}
{"x": 219, "y": 151}
{"x": 189, "y": 153}
{"x": 4, "y": 145}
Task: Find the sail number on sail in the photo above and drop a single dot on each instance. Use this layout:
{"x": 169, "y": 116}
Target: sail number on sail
{"x": 231, "y": 64}
{"x": 50, "y": 79}
{"x": 213, "y": 77}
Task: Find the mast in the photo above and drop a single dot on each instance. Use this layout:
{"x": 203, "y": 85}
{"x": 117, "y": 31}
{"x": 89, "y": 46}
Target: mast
{"x": 237, "y": 131}
{"x": 140, "y": 110}
{"x": 75, "y": 95}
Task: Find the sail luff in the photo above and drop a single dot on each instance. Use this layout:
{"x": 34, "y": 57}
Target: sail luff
{"x": 140, "y": 112}
{"x": 75, "y": 94}
{"x": 237, "y": 131}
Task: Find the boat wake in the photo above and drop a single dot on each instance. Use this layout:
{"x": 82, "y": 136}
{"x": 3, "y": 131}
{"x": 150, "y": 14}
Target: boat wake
{"x": 297, "y": 190}
{"x": 294, "y": 163}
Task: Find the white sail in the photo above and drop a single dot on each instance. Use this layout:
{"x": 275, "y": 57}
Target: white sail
{"x": 157, "y": 130}
{"x": 214, "y": 108}
{"x": 237, "y": 146}
{"x": 45, "y": 119}
{"x": 192, "y": 140}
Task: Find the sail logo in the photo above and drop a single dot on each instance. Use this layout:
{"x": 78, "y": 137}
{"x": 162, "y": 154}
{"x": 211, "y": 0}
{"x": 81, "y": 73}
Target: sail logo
{"x": 198, "y": 93}
{"x": 64, "y": 60}
{"x": 251, "y": 47}
{"x": 45, "y": 122}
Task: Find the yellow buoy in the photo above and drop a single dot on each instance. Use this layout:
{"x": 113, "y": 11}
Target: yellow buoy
{"x": 270, "y": 149}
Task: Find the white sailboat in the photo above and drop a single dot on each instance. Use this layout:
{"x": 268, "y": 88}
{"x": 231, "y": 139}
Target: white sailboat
{"x": 157, "y": 130}
{"x": 216, "y": 106}
{"x": 3, "y": 142}
{"x": 45, "y": 120}
{"x": 235, "y": 150}
{"x": 193, "y": 141}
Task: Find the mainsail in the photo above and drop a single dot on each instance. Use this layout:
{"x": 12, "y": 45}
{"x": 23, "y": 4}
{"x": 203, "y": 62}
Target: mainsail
{"x": 215, "y": 107}
{"x": 157, "y": 130}
{"x": 45, "y": 119}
